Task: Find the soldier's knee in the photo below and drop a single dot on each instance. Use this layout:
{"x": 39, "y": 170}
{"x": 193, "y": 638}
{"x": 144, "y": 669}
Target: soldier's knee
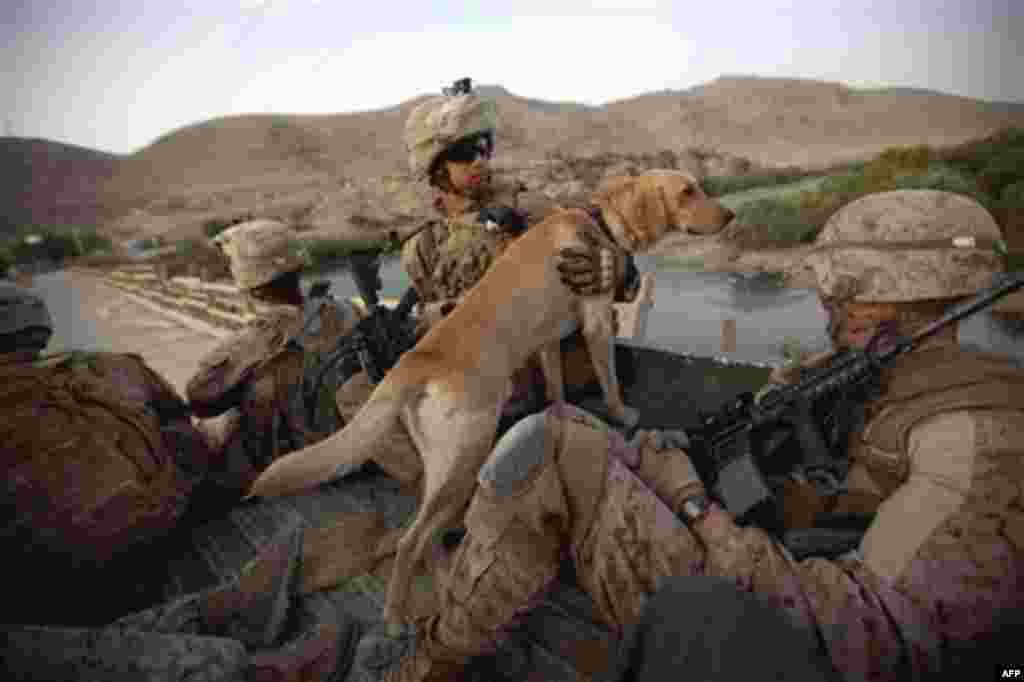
{"x": 518, "y": 455}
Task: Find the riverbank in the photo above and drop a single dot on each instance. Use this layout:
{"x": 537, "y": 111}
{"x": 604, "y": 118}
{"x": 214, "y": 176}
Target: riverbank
{"x": 89, "y": 314}
{"x": 716, "y": 255}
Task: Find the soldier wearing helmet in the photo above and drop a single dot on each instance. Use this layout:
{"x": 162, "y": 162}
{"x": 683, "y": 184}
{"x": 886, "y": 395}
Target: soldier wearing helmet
{"x": 99, "y": 458}
{"x": 249, "y": 388}
{"x": 936, "y": 476}
{"x": 450, "y": 141}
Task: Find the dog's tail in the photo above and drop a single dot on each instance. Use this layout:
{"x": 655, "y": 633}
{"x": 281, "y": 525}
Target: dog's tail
{"x": 341, "y": 453}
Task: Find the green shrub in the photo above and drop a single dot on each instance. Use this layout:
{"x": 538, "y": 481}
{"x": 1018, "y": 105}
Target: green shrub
{"x": 1003, "y": 170}
{"x": 325, "y": 253}
{"x": 845, "y": 183}
{"x": 58, "y": 243}
{"x": 973, "y": 157}
{"x": 1013, "y": 195}
{"x": 906, "y": 158}
{"x": 945, "y": 178}
{"x": 792, "y": 351}
{"x": 6, "y": 259}
{"x": 727, "y": 184}
{"x": 188, "y": 247}
{"x": 783, "y": 221}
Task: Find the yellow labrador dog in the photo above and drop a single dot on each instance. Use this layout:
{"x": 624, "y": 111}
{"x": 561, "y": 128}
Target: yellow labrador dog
{"x": 448, "y": 391}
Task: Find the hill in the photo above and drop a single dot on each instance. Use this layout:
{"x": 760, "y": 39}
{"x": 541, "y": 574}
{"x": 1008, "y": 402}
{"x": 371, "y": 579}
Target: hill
{"x": 51, "y": 183}
{"x": 345, "y": 174}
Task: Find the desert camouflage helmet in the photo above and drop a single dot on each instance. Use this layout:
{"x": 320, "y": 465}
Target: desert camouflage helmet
{"x": 440, "y": 121}
{"x": 907, "y": 245}
{"x": 21, "y": 309}
{"x": 259, "y": 251}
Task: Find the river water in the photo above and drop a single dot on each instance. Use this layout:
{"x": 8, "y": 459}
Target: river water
{"x": 690, "y": 307}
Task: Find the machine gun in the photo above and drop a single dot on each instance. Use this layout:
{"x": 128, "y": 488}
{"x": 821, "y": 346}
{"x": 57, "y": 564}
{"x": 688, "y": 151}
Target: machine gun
{"x": 736, "y": 450}
{"x": 384, "y": 334}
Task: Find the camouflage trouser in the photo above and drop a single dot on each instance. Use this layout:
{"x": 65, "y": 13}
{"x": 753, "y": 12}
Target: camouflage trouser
{"x": 550, "y": 485}
{"x": 557, "y": 484}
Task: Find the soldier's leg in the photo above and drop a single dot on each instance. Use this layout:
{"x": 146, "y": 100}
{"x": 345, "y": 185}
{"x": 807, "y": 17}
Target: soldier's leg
{"x": 632, "y": 541}
{"x": 397, "y": 455}
{"x": 552, "y": 484}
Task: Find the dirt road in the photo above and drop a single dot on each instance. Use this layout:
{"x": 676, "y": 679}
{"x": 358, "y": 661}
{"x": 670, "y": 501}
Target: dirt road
{"x": 90, "y": 315}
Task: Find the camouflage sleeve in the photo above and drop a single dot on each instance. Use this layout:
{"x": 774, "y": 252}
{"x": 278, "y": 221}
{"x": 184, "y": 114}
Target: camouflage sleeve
{"x": 419, "y": 256}
{"x": 216, "y": 385}
{"x": 937, "y": 569}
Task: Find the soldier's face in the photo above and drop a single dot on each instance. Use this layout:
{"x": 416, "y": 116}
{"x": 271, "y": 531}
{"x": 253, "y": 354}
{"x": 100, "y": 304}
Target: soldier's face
{"x": 468, "y": 165}
{"x": 852, "y": 326}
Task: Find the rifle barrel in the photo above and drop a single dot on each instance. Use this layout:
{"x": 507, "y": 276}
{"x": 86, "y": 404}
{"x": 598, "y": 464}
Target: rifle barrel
{"x": 856, "y": 365}
{"x": 965, "y": 309}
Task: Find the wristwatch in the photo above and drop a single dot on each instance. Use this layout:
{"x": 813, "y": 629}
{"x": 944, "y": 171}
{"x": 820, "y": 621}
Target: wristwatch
{"x": 695, "y": 508}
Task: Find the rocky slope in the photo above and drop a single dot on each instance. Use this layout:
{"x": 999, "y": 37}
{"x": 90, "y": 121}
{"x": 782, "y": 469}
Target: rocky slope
{"x": 344, "y": 174}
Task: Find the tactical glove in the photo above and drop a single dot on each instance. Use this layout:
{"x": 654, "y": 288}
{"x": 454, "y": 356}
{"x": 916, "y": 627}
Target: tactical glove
{"x": 662, "y": 463}
{"x": 589, "y": 270}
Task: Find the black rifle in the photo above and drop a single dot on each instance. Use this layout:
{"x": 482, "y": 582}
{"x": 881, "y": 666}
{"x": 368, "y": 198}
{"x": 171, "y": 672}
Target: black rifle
{"x": 736, "y": 450}
{"x": 384, "y": 334}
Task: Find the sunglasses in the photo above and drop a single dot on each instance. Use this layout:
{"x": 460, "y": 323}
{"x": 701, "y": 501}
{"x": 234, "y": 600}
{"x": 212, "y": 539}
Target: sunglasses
{"x": 467, "y": 150}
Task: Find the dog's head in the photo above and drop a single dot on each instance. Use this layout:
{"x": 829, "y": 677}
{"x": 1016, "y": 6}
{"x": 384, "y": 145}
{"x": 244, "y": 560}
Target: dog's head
{"x": 641, "y": 210}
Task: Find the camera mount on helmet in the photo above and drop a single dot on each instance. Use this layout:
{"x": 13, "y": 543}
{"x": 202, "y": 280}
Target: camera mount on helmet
{"x": 462, "y": 86}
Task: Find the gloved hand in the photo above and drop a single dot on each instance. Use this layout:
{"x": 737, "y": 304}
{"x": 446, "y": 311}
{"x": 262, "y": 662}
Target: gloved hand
{"x": 816, "y": 451}
{"x": 664, "y": 466}
{"x": 590, "y": 269}
{"x": 430, "y": 313}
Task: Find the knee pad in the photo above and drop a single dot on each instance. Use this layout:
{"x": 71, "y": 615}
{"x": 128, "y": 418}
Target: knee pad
{"x": 518, "y": 454}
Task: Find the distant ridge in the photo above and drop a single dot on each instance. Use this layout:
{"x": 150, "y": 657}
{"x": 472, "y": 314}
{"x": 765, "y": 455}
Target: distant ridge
{"x": 329, "y": 166}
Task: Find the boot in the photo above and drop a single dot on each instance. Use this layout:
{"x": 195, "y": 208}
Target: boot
{"x": 490, "y": 586}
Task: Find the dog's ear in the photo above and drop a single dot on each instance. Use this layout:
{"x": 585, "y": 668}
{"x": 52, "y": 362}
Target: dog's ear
{"x": 637, "y": 205}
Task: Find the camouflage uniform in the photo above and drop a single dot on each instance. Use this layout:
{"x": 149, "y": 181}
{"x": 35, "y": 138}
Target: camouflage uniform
{"x": 99, "y": 459}
{"x": 254, "y": 379}
{"x": 446, "y": 257}
{"x": 939, "y": 464}
{"x": 450, "y": 255}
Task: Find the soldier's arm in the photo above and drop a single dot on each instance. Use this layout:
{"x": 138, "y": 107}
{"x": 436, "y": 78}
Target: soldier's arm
{"x": 418, "y": 260}
{"x": 936, "y": 566}
{"x": 219, "y": 382}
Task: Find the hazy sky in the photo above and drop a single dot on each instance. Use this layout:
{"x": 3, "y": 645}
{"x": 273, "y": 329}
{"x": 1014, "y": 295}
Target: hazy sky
{"x": 116, "y": 74}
